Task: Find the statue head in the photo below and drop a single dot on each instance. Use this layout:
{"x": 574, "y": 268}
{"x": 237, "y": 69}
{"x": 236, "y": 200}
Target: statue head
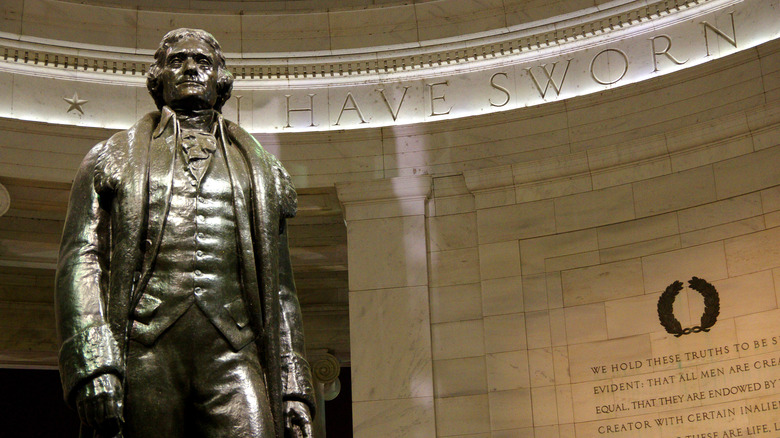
{"x": 189, "y": 72}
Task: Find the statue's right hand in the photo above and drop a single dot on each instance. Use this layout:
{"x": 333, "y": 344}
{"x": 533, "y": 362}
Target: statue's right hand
{"x": 99, "y": 403}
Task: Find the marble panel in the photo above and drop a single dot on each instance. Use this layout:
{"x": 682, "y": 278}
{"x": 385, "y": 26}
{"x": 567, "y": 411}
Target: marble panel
{"x": 674, "y": 192}
{"x": 563, "y": 396}
{"x": 547, "y": 189}
{"x": 704, "y": 134}
{"x": 772, "y": 219}
{"x": 494, "y": 198}
{"x": 711, "y": 153}
{"x": 747, "y": 173}
{"x": 526, "y": 432}
{"x": 454, "y": 204}
{"x": 704, "y": 261}
{"x": 452, "y": 231}
{"x": 587, "y": 323}
{"x": 720, "y": 212}
{"x": 498, "y": 260}
{"x": 144, "y": 104}
{"x": 625, "y": 350}
{"x": 153, "y": 25}
{"x": 540, "y": 367}
{"x": 566, "y": 431}
{"x": 505, "y": 333}
{"x": 545, "y": 403}
{"x": 526, "y": 11}
{"x": 390, "y": 344}
{"x": 6, "y": 95}
{"x": 395, "y": 257}
{"x": 49, "y": 19}
{"x": 638, "y": 315}
{"x": 758, "y": 286}
{"x": 534, "y": 252}
{"x": 667, "y": 109}
{"x": 507, "y": 370}
{"x": 603, "y": 282}
{"x": 449, "y": 19}
{"x": 753, "y": 252}
{"x": 640, "y": 249}
{"x": 537, "y": 329}
{"x": 558, "y": 327}
{"x": 454, "y": 340}
{"x": 722, "y": 232}
{"x": 400, "y": 418}
{"x": 11, "y": 16}
{"x": 456, "y": 303}
{"x": 554, "y": 290}
{"x": 535, "y": 292}
{"x": 766, "y": 138}
{"x": 502, "y": 295}
{"x": 462, "y": 415}
{"x": 638, "y": 230}
{"x": 633, "y": 161}
{"x": 372, "y": 27}
{"x": 645, "y": 169}
{"x": 559, "y": 166}
{"x": 516, "y": 221}
{"x": 750, "y": 328}
{"x": 42, "y": 99}
{"x": 561, "y": 366}
{"x": 449, "y": 185}
{"x": 457, "y": 266}
{"x": 285, "y": 32}
{"x": 571, "y": 261}
{"x": 511, "y": 410}
{"x": 776, "y": 275}
{"x": 770, "y": 199}
{"x": 458, "y": 377}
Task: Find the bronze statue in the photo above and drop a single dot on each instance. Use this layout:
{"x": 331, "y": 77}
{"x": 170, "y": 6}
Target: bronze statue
{"x": 176, "y": 307}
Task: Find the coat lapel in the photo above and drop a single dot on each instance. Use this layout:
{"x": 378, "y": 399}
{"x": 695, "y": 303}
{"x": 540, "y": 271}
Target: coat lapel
{"x": 162, "y": 157}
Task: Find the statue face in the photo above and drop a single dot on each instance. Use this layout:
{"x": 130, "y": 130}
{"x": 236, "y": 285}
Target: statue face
{"x": 189, "y": 75}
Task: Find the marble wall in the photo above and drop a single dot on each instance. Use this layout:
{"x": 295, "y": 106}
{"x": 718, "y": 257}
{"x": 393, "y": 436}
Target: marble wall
{"x": 541, "y": 313}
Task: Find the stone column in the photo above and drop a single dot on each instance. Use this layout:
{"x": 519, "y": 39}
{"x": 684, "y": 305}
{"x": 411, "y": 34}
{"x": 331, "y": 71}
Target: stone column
{"x": 389, "y": 316}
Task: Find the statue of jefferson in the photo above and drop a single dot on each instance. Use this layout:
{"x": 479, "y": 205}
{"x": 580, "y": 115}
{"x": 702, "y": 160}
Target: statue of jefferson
{"x": 176, "y": 307}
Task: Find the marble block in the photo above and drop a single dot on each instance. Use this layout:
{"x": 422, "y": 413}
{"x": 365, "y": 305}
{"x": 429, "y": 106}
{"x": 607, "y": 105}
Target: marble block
{"x": 458, "y": 377}
{"x": 510, "y": 409}
{"x": 505, "y": 333}
{"x": 395, "y": 257}
{"x": 462, "y": 415}
{"x": 390, "y": 344}
{"x": 400, "y": 418}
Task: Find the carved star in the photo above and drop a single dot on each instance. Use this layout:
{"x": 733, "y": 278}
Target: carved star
{"x": 75, "y": 103}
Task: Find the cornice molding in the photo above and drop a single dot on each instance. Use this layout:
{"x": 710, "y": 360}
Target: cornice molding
{"x": 94, "y": 63}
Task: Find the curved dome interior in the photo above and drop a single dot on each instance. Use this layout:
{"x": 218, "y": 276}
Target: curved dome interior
{"x": 483, "y": 207}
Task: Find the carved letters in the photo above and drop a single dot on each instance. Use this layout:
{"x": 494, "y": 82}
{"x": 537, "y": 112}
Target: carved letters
{"x": 509, "y": 87}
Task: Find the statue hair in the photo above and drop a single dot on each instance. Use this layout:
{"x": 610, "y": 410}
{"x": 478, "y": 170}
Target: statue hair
{"x": 224, "y": 77}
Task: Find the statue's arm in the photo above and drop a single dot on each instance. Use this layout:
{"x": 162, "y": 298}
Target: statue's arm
{"x": 88, "y": 349}
{"x": 297, "y": 382}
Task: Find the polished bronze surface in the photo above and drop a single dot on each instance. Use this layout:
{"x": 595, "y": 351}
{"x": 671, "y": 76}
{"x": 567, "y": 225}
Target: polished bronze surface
{"x": 176, "y": 307}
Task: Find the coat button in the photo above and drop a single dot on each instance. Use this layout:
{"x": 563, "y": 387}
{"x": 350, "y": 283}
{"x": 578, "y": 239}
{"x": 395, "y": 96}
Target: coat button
{"x": 146, "y": 245}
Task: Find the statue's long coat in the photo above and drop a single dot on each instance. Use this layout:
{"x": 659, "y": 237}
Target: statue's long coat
{"x": 111, "y": 238}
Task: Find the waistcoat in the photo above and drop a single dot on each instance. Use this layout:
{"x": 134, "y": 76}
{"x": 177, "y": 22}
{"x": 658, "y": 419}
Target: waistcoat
{"x": 198, "y": 261}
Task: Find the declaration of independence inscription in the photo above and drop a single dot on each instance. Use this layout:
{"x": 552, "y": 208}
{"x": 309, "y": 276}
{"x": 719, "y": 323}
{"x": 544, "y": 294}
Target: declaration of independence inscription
{"x": 731, "y": 389}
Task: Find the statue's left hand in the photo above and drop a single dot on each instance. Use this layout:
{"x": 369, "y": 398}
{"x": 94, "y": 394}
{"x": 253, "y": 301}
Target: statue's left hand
{"x": 297, "y": 420}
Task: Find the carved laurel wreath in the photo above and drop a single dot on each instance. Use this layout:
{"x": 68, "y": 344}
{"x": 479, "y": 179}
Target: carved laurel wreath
{"x": 708, "y": 318}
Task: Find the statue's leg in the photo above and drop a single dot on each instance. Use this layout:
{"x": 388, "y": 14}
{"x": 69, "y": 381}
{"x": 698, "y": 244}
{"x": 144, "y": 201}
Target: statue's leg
{"x": 155, "y": 391}
{"x": 230, "y": 393}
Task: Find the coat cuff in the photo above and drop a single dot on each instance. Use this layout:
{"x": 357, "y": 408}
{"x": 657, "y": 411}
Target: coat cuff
{"x": 89, "y": 353}
{"x": 297, "y": 381}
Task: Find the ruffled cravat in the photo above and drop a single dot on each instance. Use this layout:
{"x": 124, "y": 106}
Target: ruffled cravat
{"x": 198, "y": 147}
